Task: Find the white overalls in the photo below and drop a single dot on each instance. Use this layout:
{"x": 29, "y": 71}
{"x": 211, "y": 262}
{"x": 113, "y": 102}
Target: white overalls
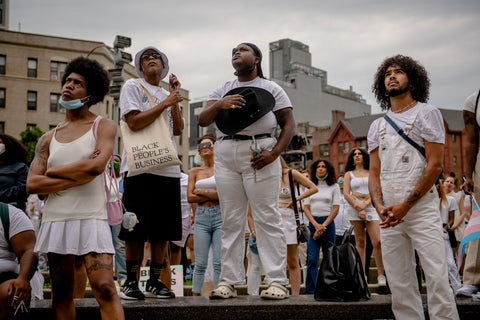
{"x": 401, "y": 168}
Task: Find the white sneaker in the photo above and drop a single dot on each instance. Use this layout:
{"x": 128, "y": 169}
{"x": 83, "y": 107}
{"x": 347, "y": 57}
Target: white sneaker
{"x": 467, "y": 290}
{"x": 382, "y": 281}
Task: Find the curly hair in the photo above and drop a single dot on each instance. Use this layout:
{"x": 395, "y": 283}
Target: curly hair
{"x": 98, "y": 79}
{"x": 351, "y": 164}
{"x": 330, "y": 172}
{"x": 417, "y": 78}
{"x": 15, "y": 151}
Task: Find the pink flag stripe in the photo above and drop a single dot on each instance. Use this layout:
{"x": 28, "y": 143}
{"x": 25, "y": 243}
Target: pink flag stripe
{"x": 472, "y": 232}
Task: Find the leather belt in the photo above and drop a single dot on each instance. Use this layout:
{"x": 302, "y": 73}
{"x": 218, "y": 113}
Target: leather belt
{"x": 245, "y": 137}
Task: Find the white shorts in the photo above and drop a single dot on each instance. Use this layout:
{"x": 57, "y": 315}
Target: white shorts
{"x": 289, "y": 225}
{"x": 352, "y": 214}
{"x": 186, "y": 227}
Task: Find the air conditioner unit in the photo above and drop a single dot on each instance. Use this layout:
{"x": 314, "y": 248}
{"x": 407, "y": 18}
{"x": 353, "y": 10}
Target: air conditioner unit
{"x": 326, "y": 153}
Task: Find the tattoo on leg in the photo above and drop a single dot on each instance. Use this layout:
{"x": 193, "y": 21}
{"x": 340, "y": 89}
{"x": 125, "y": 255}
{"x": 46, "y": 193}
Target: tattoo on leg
{"x": 99, "y": 262}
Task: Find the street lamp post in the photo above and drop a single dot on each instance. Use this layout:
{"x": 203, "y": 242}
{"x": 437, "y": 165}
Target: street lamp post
{"x": 119, "y": 59}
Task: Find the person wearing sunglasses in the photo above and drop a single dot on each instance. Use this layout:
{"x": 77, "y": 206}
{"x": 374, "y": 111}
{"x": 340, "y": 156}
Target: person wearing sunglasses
{"x": 360, "y": 212}
{"x": 157, "y": 225}
{"x": 202, "y": 190}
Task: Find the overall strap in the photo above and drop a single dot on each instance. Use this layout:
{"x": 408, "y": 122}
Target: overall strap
{"x": 411, "y": 120}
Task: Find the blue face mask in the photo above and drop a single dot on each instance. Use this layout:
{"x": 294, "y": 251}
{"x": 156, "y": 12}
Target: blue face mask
{"x": 71, "y": 105}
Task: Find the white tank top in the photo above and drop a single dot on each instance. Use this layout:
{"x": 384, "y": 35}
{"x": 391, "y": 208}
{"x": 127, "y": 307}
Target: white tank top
{"x": 359, "y": 184}
{"x": 86, "y": 201}
{"x": 208, "y": 183}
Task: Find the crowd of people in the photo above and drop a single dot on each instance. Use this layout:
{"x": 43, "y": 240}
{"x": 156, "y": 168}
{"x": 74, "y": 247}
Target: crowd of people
{"x": 393, "y": 194}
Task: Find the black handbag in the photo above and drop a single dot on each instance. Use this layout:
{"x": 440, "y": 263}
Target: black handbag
{"x": 303, "y": 234}
{"x": 341, "y": 276}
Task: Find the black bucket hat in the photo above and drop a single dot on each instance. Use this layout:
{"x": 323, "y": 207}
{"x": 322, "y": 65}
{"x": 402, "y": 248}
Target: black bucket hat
{"x": 258, "y": 103}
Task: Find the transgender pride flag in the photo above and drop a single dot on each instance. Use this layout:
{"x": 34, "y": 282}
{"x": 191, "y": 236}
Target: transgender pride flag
{"x": 472, "y": 232}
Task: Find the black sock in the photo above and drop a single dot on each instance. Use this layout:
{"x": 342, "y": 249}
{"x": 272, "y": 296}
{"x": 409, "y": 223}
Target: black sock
{"x": 132, "y": 269}
{"x": 155, "y": 270}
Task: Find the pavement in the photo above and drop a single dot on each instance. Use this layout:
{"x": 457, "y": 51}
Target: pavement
{"x": 300, "y": 307}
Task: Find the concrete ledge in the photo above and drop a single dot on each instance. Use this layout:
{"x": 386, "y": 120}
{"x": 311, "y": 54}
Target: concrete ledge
{"x": 301, "y": 307}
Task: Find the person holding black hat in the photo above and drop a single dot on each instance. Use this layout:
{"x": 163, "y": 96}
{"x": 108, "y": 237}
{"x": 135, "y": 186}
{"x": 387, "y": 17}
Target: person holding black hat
{"x": 246, "y": 112}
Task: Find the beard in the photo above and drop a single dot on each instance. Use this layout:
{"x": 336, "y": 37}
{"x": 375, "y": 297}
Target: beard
{"x": 398, "y": 91}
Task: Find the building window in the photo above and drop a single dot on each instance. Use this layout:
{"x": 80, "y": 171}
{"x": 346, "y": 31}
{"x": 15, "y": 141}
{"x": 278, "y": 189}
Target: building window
{"x": 31, "y": 126}
{"x": 454, "y": 160}
{"x": 3, "y": 62}
{"x": 363, "y": 144}
{"x": 2, "y": 127}
{"x": 54, "y": 106}
{"x": 347, "y": 147}
{"x": 32, "y": 100}
{"x": 57, "y": 69}
{"x": 340, "y": 168}
{"x": 191, "y": 162}
{"x": 51, "y": 127}
{"x": 32, "y": 68}
{"x": 340, "y": 147}
{"x": 454, "y": 137}
{"x": 2, "y": 97}
{"x": 324, "y": 150}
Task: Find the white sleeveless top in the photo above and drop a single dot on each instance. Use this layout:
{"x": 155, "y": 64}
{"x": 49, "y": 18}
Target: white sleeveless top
{"x": 207, "y": 183}
{"x": 358, "y": 184}
{"x": 86, "y": 201}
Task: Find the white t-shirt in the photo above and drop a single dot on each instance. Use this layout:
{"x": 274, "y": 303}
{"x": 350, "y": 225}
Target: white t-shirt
{"x": 132, "y": 97}
{"x": 447, "y": 207}
{"x": 19, "y": 222}
{"x": 268, "y": 122}
{"x": 341, "y": 221}
{"x": 186, "y": 206}
{"x": 427, "y": 126}
{"x": 322, "y": 202}
{"x": 469, "y": 105}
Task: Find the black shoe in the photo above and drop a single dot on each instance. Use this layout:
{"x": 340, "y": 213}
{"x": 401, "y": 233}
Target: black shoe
{"x": 130, "y": 291}
{"x": 156, "y": 289}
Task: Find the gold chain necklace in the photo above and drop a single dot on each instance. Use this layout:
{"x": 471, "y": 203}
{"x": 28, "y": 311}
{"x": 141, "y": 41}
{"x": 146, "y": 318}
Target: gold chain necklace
{"x": 405, "y": 108}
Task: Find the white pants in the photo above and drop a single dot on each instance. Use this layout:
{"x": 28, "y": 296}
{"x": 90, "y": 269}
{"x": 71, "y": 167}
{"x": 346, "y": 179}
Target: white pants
{"x": 254, "y": 272}
{"x": 238, "y": 185}
{"x": 452, "y": 267}
{"x": 422, "y": 231}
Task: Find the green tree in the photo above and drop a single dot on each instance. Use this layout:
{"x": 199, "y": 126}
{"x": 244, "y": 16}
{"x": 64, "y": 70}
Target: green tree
{"x": 29, "y": 139}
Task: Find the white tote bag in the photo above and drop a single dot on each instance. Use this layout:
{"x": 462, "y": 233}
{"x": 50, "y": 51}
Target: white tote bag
{"x": 150, "y": 148}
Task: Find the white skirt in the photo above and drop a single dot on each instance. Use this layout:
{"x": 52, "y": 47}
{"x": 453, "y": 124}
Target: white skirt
{"x": 289, "y": 225}
{"x": 77, "y": 237}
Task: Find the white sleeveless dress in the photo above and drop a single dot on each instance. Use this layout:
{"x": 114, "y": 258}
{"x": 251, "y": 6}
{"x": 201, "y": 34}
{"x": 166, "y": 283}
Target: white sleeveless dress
{"x": 75, "y": 220}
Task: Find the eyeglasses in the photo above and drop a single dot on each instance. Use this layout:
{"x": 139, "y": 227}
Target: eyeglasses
{"x": 340, "y": 181}
{"x": 155, "y": 55}
{"x": 204, "y": 145}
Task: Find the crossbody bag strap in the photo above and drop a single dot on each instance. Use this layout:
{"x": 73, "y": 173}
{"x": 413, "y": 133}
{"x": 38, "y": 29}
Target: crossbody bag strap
{"x": 294, "y": 198}
{"x": 404, "y": 136}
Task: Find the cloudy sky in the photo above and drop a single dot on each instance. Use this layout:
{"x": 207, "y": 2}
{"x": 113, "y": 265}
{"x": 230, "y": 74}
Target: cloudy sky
{"x": 347, "y": 38}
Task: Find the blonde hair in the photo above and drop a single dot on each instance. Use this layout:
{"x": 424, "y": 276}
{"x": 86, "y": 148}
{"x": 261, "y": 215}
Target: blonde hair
{"x": 441, "y": 193}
